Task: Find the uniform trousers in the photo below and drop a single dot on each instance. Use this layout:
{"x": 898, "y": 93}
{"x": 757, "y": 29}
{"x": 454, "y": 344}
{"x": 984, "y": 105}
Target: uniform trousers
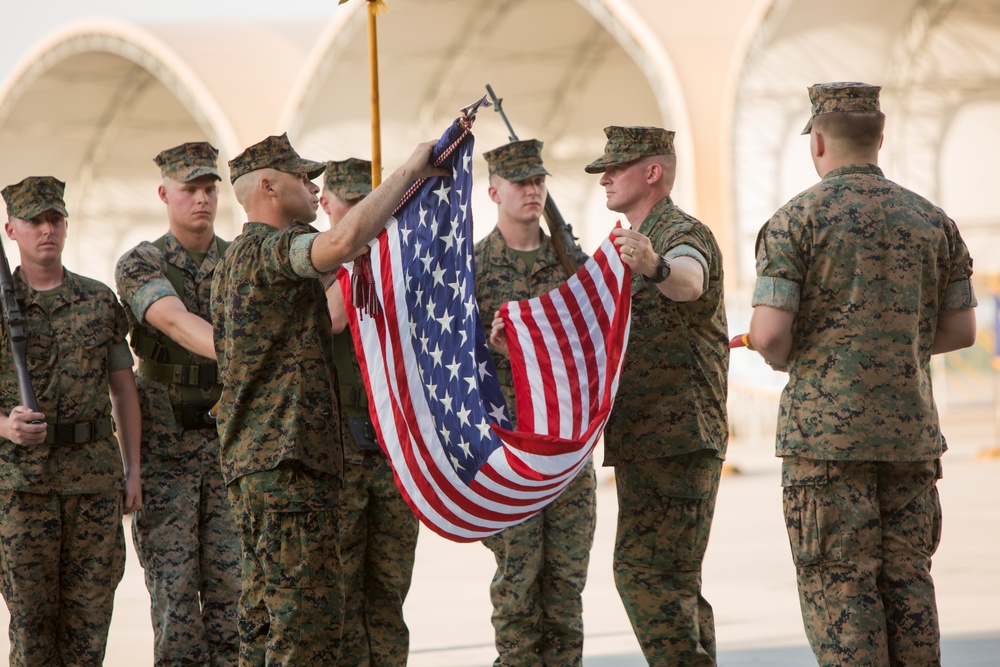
{"x": 541, "y": 572}
{"x": 292, "y": 604}
{"x": 378, "y": 538}
{"x": 187, "y": 544}
{"x": 862, "y": 535}
{"x": 665, "y": 510}
{"x": 61, "y": 558}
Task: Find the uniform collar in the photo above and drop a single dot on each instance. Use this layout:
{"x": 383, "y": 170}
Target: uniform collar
{"x": 70, "y": 291}
{"x": 854, "y": 169}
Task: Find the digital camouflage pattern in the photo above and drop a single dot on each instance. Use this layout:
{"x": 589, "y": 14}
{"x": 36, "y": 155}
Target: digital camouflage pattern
{"x": 862, "y": 535}
{"x": 63, "y": 556}
{"x": 292, "y": 605}
{"x": 541, "y": 563}
{"x": 378, "y": 535}
{"x": 275, "y": 348}
{"x": 537, "y": 590}
{"x": 672, "y": 394}
{"x": 33, "y": 196}
{"x": 666, "y": 436}
{"x": 184, "y": 535}
{"x": 517, "y": 161}
{"x": 866, "y": 266}
{"x": 841, "y": 97}
{"x": 631, "y": 143}
{"x": 188, "y": 161}
{"x": 282, "y": 455}
{"x": 63, "y": 542}
{"x": 665, "y": 511}
{"x": 275, "y": 152}
{"x": 71, "y": 352}
{"x": 348, "y": 179}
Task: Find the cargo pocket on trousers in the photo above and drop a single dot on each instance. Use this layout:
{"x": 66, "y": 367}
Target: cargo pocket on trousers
{"x": 812, "y": 515}
{"x": 299, "y": 550}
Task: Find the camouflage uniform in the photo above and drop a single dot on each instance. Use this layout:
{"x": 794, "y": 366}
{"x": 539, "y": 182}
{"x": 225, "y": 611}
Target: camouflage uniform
{"x": 185, "y": 535}
{"x": 866, "y": 266}
{"x": 668, "y": 431}
{"x": 542, "y": 562}
{"x": 63, "y": 546}
{"x": 278, "y": 424}
{"x": 378, "y": 532}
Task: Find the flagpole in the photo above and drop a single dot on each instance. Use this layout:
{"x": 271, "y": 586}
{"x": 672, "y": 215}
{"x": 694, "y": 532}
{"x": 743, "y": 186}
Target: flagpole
{"x": 374, "y": 6}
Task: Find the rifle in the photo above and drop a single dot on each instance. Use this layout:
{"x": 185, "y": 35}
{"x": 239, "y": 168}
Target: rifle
{"x": 15, "y": 331}
{"x": 569, "y": 252}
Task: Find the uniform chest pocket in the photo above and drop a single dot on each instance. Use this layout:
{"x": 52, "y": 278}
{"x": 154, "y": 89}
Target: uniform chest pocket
{"x": 93, "y": 335}
{"x": 38, "y": 344}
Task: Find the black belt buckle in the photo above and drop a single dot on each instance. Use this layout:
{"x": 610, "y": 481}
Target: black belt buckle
{"x": 364, "y": 434}
{"x": 195, "y": 416}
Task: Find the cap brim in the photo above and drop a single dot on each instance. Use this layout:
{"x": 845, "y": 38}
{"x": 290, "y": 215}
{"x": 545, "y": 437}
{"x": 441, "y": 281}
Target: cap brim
{"x": 310, "y": 168}
{"x": 529, "y": 172}
{"x": 605, "y": 161}
{"x": 42, "y": 208}
{"x": 809, "y": 126}
{"x": 198, "y": 172}
{"x": 354, "y": 191}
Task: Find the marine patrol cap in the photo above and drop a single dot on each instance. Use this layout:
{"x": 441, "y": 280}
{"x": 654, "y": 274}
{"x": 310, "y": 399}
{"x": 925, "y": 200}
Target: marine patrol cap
{"x": 348, "y": 179}
{"x": 188, "y": 161}
{"x": 842, "y": 96}
{"x": 631, "y": 143}
{"x": 273, "y": 153}
{"x": 517, "y": 161}
{"x": 35, "y": 195}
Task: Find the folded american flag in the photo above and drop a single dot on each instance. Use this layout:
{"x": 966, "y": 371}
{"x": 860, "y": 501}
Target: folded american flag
{"x": 432, "y": 388}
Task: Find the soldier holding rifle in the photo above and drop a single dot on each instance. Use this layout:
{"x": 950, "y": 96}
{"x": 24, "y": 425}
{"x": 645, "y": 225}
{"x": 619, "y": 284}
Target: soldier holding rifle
{"x": 62, "y": 485}
{"x": 542, "y": 562}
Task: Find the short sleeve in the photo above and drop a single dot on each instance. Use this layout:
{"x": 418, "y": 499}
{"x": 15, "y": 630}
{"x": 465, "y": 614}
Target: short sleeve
{"x": 140, "y": 279}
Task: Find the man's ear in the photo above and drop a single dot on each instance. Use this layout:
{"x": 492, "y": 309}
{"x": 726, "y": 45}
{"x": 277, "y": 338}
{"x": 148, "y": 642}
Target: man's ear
{"x": 324, "y": 203}
{"x": 162, "y": 191}
{"x": 494, "y": 195}
{"x": 818, "y": 144}
{"x": 654, "y": 171}
{"x": 267, "y": 185}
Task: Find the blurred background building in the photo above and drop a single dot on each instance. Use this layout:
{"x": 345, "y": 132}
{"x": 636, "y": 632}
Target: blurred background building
{"x": 92, "y": 91}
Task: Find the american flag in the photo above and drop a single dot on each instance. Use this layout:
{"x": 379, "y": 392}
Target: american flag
{"x": 433, "y": 394}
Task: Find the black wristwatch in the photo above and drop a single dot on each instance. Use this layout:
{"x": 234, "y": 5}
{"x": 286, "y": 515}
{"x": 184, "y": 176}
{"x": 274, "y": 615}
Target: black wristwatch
{"x": 662, "y": 271}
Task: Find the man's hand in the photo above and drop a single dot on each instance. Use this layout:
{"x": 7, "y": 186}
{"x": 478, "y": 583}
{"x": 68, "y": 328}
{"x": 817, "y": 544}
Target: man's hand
{"x": 419, "y": 165}
{"x": 636, "y": 251}
{"x": 132, "y": 499}
{"x": 17, "y": 427}
{"x": 497, "y": 334}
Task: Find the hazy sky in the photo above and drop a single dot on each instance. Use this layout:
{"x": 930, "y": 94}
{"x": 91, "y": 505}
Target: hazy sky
{"x": 32, "y": 21}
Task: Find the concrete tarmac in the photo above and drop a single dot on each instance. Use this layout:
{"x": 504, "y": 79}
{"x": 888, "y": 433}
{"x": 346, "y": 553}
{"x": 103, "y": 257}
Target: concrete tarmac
{"x": 748, "y": 575}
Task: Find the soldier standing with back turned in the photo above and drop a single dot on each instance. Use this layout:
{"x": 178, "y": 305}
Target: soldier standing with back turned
{"x": 185, "y": 536}
{"x": 859, "y": 282}
{"x": 378, "y": 532}
{"x": 541, "y": 562}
